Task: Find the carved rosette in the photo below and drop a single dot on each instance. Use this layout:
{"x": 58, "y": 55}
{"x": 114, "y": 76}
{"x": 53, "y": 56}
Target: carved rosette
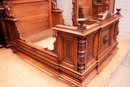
{"x": 81, "y": 53}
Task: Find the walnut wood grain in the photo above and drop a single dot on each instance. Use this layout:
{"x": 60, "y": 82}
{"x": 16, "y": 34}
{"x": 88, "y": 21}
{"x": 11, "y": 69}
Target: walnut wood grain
{"x": 78, "y": 54}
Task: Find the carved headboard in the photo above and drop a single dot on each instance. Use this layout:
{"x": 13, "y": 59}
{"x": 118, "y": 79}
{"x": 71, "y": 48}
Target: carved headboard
{"x": 33, "y": 16}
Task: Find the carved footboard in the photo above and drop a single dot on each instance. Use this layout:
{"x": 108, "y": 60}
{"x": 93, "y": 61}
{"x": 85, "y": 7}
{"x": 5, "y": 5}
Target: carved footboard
{"x": 85, "y": 52}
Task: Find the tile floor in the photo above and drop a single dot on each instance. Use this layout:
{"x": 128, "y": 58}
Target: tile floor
{"x": 121, "y": 77}
{"x": 17, "y": 72}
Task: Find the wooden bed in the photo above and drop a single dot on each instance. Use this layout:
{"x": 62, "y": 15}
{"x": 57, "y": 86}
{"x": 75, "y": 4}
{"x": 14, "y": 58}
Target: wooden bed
{"x": 80, "y": 51}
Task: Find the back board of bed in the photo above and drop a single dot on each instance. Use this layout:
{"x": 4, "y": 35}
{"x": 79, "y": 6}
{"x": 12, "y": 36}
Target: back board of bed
{"x": 34, "y": 16}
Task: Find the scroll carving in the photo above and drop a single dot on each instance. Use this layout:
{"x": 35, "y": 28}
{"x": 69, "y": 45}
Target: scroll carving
{"x": 105, "y": 39}
{"x": 81, "y": 53}
{"x": 73, "y": 12}
{"x": 7, "y": 6}
{"x": 19, "y": 34}
{"x": 55, "y": 44}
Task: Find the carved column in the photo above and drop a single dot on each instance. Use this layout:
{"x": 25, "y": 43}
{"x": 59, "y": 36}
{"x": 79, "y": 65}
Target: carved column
{"x": 81, "y": 53}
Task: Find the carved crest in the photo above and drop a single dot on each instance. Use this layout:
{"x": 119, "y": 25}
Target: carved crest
{"x": 7, "y": 6}
{"x": 54, "y": 5}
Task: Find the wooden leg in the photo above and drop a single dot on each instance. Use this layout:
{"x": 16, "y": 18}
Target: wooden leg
{"x": 1, "y": 46}
{"x": 14, "y": 50}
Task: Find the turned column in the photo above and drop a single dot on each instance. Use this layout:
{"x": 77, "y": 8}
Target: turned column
{"x": 81, "y": 53}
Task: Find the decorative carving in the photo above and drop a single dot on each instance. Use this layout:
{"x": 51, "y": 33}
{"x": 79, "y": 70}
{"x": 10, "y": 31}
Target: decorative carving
{"x": 89, "y": 71}
{"x": 7, "y": 7}
{"x": 19, "y": 34}
{"x": 81, "y": 53}
{"x": 99, "y": 21}
{"x": 74, "y": 75}
{"x": 80, "y": 45}
{"x": 106, "y": 15}
{"x": 73, "y": 12}
{"x": 105, "y": 39}
{"x": 56, "y": 67}
{"x": 55, "y": 43}
{"x": 37, "y": 58}
{"x": 54, "y": 5}
{"x": 68, "y": 49}
{"x": 69, "y": 73}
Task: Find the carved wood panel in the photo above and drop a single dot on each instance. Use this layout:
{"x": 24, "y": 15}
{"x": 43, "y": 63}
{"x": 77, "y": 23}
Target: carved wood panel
{"x": 68, "y": 50}
{"x": 104, "y": 40}
{"x": 90, "y": 48}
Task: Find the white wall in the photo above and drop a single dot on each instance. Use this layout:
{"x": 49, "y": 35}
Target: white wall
{"x": 124, "y": 26}
{"x": 66, "y": 6}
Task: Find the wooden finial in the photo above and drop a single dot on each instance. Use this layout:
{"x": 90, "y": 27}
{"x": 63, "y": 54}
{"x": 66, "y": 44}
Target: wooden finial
{"x": 54, "y": 5}
{"x": 81, "y": 22}
{"x": 7, "y": 7}
{"x": 118, "y": 11}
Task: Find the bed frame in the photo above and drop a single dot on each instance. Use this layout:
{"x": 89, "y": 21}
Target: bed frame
{"x": 80, "y": 51}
